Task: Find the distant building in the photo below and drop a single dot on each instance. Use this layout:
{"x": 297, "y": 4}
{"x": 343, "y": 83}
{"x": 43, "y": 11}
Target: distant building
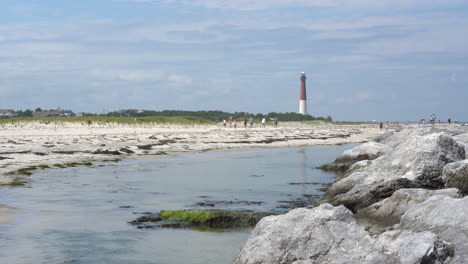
{"x": 128, "y": 112}
{"x": 303, "y": 96}
{"x": 7, "y": 113}
{"x": 54, "y": 113}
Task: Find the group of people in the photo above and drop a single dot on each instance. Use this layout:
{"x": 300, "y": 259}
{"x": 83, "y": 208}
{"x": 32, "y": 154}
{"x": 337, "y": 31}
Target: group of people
{"x": 233, "y": 122}
{"x": 433, "y": 120}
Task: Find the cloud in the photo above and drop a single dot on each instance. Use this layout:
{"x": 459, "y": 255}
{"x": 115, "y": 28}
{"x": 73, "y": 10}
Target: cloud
{"x": 180, "y": 79}
{"x": 358, "y": 97}
{"x": 130, "y": 75}
{"x": 267, "y": 4}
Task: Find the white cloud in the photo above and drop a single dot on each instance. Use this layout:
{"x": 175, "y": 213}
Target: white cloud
{"x": 180, "y": 79}
{"x": 130, "y": 75}
{"x": 266, "y": 4}
{"x": 355, "y": 98}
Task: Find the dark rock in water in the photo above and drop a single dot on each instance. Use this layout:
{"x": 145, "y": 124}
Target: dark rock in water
{"x": 256, "y": 176}
{"x": 212, "y": 218}
{"x": 328, "y": 234}
{"x": 335, "y": 166}
{"x": 107, "y": 152}
{"x": 40, "y": 153}
{"x": 126, "y": 206}
{"x": 456, "y": 175}
{"x": 2, "y": 158}
{"x": 126, "y": 150}
{"x": 444, "y": 216}
{"x": 226, "y": 203}
{"x": 145, "y": 147}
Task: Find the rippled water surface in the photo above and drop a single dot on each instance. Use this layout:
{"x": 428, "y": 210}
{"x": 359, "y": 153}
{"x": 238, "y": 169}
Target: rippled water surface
{"x": 80, "y": 215}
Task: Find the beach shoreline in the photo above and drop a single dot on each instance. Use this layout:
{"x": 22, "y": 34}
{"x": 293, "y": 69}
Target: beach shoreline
{"x": 29, "y": 146}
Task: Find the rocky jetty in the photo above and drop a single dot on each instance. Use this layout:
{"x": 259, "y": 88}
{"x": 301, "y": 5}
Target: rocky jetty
{"x": 328, "y": 234}
{"x": 399, "y": 203}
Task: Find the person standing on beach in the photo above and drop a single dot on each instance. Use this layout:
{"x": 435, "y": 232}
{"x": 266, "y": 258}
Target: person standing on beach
{"x": 263, "y": 122}
{"x": 230, "y": 121}
{"x": 235, "y": 123}
{"x": 276, "y": 123}
{"x": 224, "y": 122}
{"x": 449, "y": 120}
{"x": 245, "y": 122}
{"x": 251, "y": 122}
{"x": 381, "y": 125}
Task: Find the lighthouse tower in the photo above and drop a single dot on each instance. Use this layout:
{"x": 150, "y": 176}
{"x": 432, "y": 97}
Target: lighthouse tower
{"x": 303, "y": 98}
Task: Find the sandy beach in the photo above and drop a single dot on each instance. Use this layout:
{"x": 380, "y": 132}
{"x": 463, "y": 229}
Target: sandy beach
{"x": 57, "y": 144}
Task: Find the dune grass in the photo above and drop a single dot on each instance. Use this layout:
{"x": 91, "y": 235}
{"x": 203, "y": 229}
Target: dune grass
{"x": 183, "y": 120}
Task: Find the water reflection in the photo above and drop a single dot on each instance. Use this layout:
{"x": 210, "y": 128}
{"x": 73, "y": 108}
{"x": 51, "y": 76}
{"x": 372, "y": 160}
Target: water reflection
{"x": 79, "y": 215}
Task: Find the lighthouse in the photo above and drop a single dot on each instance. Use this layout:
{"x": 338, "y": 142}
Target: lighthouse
{"x": 303, "y": 98}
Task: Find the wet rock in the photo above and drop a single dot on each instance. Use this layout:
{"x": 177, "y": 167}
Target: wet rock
{"x": 456, "y": 175}
{"x": 212, "y": 218}
{"x": 416, "y": 163}
{"x": 126, "y": 150}
{"x": 389, "y": 211}
{"x": 3, "y": 158}
{"x": 40, "y": 153}
{"x": 145, "y": 147}
{"x": 366, "y": 151}
{"x": 107, "y": 152}
{"x": 444, "y": 216}
{"x": 68, "y": 152}
{"x": 165, "y": 142}
{"x": 328, "y": 234}
{"x": 226, "y": 203}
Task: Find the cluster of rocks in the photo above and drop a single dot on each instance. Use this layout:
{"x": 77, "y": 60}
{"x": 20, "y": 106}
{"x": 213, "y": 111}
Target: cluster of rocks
{"x": 401, "y": 200}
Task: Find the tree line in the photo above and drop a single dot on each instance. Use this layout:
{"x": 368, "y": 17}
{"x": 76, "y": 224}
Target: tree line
{"x": 218, "y": 116}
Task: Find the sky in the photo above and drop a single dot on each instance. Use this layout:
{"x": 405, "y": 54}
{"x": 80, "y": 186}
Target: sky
{"x": 364, "y": 59}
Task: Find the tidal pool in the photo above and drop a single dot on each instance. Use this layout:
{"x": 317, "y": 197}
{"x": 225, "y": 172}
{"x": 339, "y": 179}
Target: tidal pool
{"x": 80, "y": 215}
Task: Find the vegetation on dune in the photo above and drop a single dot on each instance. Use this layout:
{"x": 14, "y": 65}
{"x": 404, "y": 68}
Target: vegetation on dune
{"x": 111, "y": 119}
{"x": 218, "y": 116}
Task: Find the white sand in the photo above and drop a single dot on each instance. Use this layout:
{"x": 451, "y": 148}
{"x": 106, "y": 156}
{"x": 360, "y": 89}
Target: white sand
{"x": 40, "y": 142}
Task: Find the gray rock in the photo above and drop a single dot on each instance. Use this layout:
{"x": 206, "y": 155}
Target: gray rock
{"x": 389, "y": 211}
{"x": 418, "y": 162}
{"x": 462, "y": 139}
{"x": 383, "y": 137}
{"x": 366, "y": 151}
{"x": 456, "y": 175}
{"x": 445, "y": 216}
{"x": 359, "y": 165}
{"x": 328, "y": 234}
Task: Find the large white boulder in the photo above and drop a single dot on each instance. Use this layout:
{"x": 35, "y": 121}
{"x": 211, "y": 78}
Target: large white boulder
{"x": 389, "y": 211}
{"x": 456, "y": 175}
{"x": 328, "y": 234}
{"x": 366, "y": 151}
{"x": 417, "y": 162}
{"x": 445, "y": 216}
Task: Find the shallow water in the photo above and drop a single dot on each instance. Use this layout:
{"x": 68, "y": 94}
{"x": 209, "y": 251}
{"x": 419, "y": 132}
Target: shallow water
{"x": 80, "y": 215}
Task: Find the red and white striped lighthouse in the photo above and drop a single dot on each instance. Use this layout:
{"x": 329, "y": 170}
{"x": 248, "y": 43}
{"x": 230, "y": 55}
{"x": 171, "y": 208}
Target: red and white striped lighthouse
{"x": 303, "y": 98}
